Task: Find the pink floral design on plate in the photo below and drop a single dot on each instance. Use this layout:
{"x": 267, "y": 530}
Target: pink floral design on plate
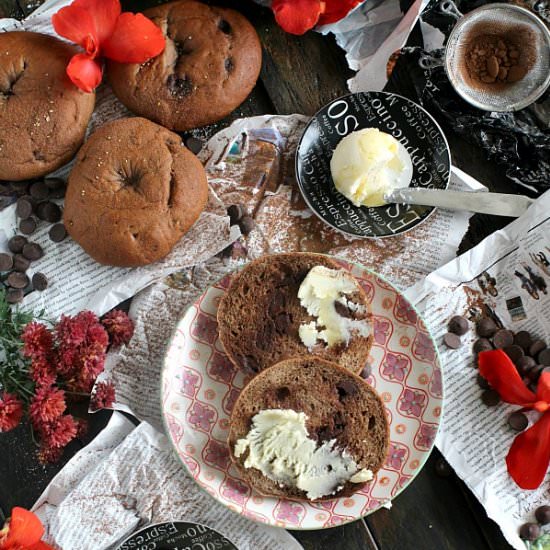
{"x": 426, "y": 436}
{"x": 423, "y": 347}
{"x": 198, "y": 429}
{"x": 217, "y": 453}
{"x": 412, "y": 402}
{"x": 436, "y": 384}
{"x": 396, "y": 457}
{"x": 202, "y": 417}
{"x": 404, "y": 311}
{"x": 381, "y": 330}
{"x": 289, "y": 511}
{"x": 235, "y": 491}
{"x": 189, "y": 383}
{"x": 395, "y": 366}
{"x": 205, "y": 328}
{"x": 221, "y": 368}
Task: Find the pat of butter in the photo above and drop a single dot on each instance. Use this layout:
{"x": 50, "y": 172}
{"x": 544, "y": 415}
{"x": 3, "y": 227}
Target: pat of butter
{"x": 318, "y": 294}
{"x": 279, "y": 446}
{"x": 368, "y": 163}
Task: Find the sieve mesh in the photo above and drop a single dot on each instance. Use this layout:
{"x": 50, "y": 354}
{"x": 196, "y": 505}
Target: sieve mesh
{"x": 520, "y": 27}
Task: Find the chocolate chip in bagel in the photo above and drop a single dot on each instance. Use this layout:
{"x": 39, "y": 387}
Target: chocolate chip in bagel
{"x": 344, "y": 310}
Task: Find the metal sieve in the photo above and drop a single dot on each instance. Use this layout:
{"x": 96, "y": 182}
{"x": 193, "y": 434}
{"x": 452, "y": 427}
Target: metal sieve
{"x": 506, "y": 20}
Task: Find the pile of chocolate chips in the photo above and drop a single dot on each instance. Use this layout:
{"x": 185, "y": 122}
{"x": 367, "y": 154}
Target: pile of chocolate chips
{"x": 531, "y": 531}
{"x": 530, "y": 356}
{"x": 36, "y": 205}
{"x": 490, "y": 58}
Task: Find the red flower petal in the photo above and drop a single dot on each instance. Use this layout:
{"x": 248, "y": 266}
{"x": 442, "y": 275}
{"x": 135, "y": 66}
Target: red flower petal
{"x": 296, "y": 16}
{"x": 25, "y": 529}
{"x": 497, "y": 368}
{"x": 543, "y": 387}
{"x": 135, "y": 39}
{"x": 529, "y": 455}
{"x": 336, "y": 10}
{"x": 77, "y": 25}
{"x": 104, "y": 14}
{"x": 84, "y": 72}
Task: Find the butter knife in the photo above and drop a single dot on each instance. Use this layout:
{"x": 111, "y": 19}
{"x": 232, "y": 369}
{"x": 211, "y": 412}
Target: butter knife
{"x": 497, "y": 204}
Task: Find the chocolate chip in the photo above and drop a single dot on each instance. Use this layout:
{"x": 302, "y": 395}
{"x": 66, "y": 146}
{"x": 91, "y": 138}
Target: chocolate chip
{"x": 17, "y": 280}
{"x": 224, "y": 26}
{"x": 452, "y": 340}
{"x": 544, "y": 357}
{"x": 27, "y": 226}
{"x": 33, "y": 251}
{"x": 529, "y": 531}
{"x": 482, "y": 382}
{"x": 486, "y": 327}
{"x": 534, "y": 373}
{"x": 16, "y": 243}
{"x": 442, "y": 468}
{"x": 14, "y": 295}
{"x": 39, "y": 281}
{"x": 345, "y": 388}
{"x": 536, "y": 347}
{"x": 6, "y": 262}
{"x": 518, "y": 421}
{"x": 179, "y": 86}
{"x": 246, "y": 224}
{"x": 20, "y": 263}
{"x": 490, "y": 398}
{"x": 542, "y": 513}
{"x": 343, "y": 310}
{"x": 482, "y": 345}
{"x": 282, "y": 393}
{"x": 54, "y": 183}
{"x": 366, "y": 372}
{"x": 523, "y": 339}
{"x": 229, "y": 65}
{"x": 525, "y": 363}
{"x": 39, "y": 191}
{"x": 235, "y": 213}
{"x": 24, "y": 207}
{"x": 57, "y": 232}
{"x": 458, "y": 325}
{"x": 503, "y": 338}
{"x": 49, "y": 212}
{"x": 514, "y": 353}
{"x": 324, "y": 433}
{"x": 193, "y": 144}
{"x": 282, "y": 322}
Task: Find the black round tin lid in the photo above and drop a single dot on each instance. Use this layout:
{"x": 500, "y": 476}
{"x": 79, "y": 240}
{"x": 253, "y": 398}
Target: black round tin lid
{"x": 398, "y": 116}
{"x": 177, "y": 535}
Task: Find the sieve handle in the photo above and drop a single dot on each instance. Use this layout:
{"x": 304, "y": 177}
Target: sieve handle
{"x": 448, "y": 7}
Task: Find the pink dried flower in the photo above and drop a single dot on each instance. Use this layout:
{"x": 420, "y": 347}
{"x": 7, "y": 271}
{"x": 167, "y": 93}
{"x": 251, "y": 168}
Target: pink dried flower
{"x": 47, "y": 405}
{"x": 103, "y": 396}
{"x": 59, "y": 432}
{"x": 11, "y": 412}
{"x": 119, "y": 326}
{"x": 37, "y": 340}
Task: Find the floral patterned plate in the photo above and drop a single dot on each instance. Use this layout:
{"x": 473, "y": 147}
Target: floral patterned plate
{"x": 200, "y": 387}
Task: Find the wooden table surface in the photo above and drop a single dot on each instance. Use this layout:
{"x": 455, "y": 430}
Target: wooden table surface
{"x": 299, "y": 75}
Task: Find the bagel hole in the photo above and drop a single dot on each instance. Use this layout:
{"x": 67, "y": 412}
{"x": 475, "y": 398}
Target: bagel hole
{"x": 179, "y": 86}
{"x": 130, "y": 178}
{"x": 135, "y": 235}
{"x": 12, "y": 80}
{"x": 224, "y": 26}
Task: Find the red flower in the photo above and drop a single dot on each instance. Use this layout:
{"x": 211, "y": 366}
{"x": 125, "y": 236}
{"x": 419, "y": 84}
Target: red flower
{"x": 47, "y": 405}
{"x": 11, "y": 412}
{"x": 23, "y": 531}
{"x": 49, "y": 455}
{"x": 529, "y": 456}
{"x": 299, "y": 16}
{"x": 37, "y": 340}
{"x": 42, "y": 371}
{"x": 119, "y": 326}
{"x": 103, "y": 396}
{"x": 59, "y": 432}
{"x": 102, "y": 30}
{"x": 81, "y": 427}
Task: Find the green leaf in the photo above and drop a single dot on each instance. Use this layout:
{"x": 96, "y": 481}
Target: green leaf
{"x": 542, "y": 543}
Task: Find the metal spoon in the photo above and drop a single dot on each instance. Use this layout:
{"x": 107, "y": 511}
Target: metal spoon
{"x": 497, "y": 204}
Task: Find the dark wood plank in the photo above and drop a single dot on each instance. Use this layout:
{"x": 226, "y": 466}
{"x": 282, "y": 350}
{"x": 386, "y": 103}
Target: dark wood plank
{"x": 10, "y": 8}
{"x": 353, "y": 536}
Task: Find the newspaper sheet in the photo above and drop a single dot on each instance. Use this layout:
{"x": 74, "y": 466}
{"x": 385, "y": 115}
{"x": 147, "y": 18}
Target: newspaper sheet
{"x": 506, "y": 277}
{"x": 128, "y": 478}
{"x": 251, "y": 163}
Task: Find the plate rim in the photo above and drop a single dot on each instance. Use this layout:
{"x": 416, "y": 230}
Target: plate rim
{"x": 269, "y": 523}
{"x": 342, "y": 231}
